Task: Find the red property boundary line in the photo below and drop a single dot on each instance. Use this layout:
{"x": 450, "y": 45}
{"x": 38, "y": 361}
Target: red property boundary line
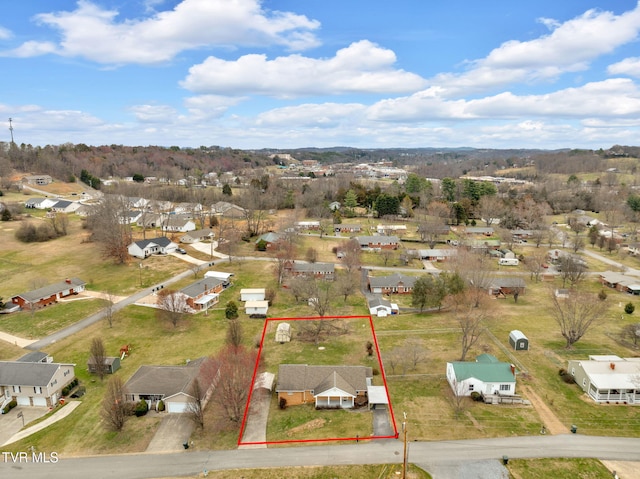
{"x": 255, "y": 373}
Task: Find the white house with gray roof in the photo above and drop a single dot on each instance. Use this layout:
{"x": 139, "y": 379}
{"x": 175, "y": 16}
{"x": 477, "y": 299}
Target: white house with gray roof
{"x": 146, "y": 247}
{"x": 608, "y": 378}
{"x": 33, "y": 383}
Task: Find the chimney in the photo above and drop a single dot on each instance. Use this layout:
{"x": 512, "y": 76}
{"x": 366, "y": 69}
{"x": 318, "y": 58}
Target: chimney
{"x": 513, "y": 369}
{"x": 612, "y": 366}
{"x": 68, "y": 281}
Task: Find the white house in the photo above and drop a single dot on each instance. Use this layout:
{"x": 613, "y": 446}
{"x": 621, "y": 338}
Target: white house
{"x": 252, "y": 294}
{"x": 178, "y": 223}
{"x": 145, "y": 248}
{"x": 381, "y": 308}
{"x": 486, "y": 375}
{"x": 608, "y": 378}
{"x": 256, "y": 308}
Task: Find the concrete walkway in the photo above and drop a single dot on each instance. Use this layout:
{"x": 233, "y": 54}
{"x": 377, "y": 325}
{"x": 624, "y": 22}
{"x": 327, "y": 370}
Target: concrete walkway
{"x": 60, "y": 414}
{"x": 20, "y": 342}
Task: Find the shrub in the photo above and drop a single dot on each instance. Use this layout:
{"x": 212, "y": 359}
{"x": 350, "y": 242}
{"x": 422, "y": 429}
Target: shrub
{"x": 231, "y": 311}
{"x": 161, "y": 406}
{"x": 629, "y": 308}
{"x": 282, "y": 404}
{"x": 602, "y": 295}
{"x": 9, "y": 406}
{"x": 141, "y": 408}
{"x": 568, "y": 378}
{"x": 476, "y": 396}
{"x": 65, "y": 391}
{"x": 562, "y": 371}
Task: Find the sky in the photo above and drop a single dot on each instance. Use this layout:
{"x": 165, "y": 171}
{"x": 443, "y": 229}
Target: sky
{"x": 253, "y": 74}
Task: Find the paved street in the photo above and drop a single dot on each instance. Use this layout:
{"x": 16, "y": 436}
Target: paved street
{"x": 437, "y": 455}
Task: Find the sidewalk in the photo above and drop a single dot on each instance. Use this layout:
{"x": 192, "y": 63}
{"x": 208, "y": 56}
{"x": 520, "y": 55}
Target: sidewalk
{"x": 20, "y": 342}
{"x": 60, "y": 414}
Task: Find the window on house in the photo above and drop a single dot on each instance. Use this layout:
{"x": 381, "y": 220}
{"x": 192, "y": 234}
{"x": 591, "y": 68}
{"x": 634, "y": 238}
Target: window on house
{"x": 470, "y": 387}
{"x": 505, "y": 387}
{"x": 37, "y": 389}
{"x": 16, "y": 389}
{"x": 573, "y": 371}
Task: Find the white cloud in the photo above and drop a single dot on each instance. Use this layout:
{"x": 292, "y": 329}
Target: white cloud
{"x": 154, "y": 113}
{"x": 362, "y": 67}
{"x": 326, "y": 115}
{"x": 628, "y": 66}
{"x": 5, "y": 33}
{"x": 568, "y": 48}
{"x": 205, "y": 107}
{"x": 94, "y": 33}
{"x": 617, "y": 97}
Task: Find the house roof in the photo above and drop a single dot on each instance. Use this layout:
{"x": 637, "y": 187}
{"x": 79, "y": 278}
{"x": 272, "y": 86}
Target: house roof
{"x": 62, "y": 204}
{"x": 507, "y": 282}
{"x": 199, "y": 234}
{"x": 302, "y": 377}
{"x": 252, "y": 291}
{"x": 377, "y": 301}
{"x": 176, "y": 220}
{"x": 203, "y": 286}
{"x": 108, "y": 361}
{"x": 256, "y": 304}
{"x": 50, "y": 290}
{"x": 623, "y": 375}
{"x": 377, "y": 239}
{"x": 313, "y": 267}
{"x": 164, "y": 380}
{"x": 392, "y": 280}
{"x": 33, "y": 357}
{"x": 269, "y": 237}
{"x": 18, "y": 373}
{"x": 484, "y": 370}
{"x": 161, "y": 241}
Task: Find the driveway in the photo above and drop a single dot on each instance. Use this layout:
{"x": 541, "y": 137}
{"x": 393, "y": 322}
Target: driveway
{"x": 255, "y": 431}
{"x": 174, "y": 431}
{"x": 11, "y": 424}
{"x": 381, "y": 421}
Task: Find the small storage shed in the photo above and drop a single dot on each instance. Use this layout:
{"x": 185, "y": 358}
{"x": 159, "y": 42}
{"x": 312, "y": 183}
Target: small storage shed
{"x": 518, "y": 340}
{"x": 256, "y": 309}
{"x": 252, "y": 294}
{"x": 111, "y": 365}
{"x": 283, "y": 333}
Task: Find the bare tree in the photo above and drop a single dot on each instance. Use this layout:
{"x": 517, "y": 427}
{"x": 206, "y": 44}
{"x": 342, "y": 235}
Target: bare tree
{"x": 396, "y": 360}
{"x": 471, "y": 314}
{"x": 414, "y": 351}
{"x": 459, "y": 400}
{"x": 319, "y": 330}
{"x": 572, "y": 269}
{"x": 386, "y": 255}
{"x": 60, "y": 223}
{"x": 115, "y": 409}
{"x": 109, "y": 308}
{"x": 534, "y": 261}
{"x": 632, "y": 333}
{"x": 490, "y": 209}
{"x": 347, "y": 284}
{"x": 196, "y": 404}
{"x": 109, "y": 228}
{"x": 234, "y": 333}
{"x": 311, "y": 255}
{"x": 475, "y": 269}
{"x": 350, "y": 254}
{"x": 98, "y": 356}
{"x": 172, "y": 305}
{"x": 321, "y": 294}
{"x": 285, "y": 255}
{"x": 234, "y": 368}
{"x": 576, "y": 314}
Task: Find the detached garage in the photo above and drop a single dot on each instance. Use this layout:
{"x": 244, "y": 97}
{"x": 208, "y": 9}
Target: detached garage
{"x": 518, "y": 340}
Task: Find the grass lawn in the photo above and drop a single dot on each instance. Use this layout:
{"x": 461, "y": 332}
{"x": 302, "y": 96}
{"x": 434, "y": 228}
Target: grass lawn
{"x": 558, "y": 469}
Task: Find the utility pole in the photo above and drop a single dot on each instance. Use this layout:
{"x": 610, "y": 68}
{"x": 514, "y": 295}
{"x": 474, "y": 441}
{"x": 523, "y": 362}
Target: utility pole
{"x": 404, "y": 454}
{"x": 11, "y": 129}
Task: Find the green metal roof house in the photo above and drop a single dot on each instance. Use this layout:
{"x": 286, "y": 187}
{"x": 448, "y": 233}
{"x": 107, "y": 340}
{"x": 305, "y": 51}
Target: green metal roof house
{"x": 486, "y": 375}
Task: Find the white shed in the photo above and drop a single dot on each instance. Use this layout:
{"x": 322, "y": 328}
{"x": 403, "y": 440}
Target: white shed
{"x": 518, "y": 340}
{"x": 283, "y": 333}
{"x": 256, "y": 308}
{"x": 252, "y": 294}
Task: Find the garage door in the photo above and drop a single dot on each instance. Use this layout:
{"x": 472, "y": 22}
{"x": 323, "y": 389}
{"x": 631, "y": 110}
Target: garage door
{"x": 176, "y": 407}
{"x": 40, "y": 401}
{"x": 23, "y": 401}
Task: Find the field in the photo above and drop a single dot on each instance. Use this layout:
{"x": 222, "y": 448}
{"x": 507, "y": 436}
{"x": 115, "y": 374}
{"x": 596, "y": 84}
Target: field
{"x": 421, "y": 391}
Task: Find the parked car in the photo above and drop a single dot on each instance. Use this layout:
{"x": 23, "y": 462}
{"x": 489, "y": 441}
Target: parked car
{"x": 181, "y": 250}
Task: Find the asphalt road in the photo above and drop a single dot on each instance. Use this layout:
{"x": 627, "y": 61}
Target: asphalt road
{"x": 426, "y": 454}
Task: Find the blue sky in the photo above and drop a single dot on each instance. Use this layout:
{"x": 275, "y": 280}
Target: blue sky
{"x": 296, "y": 73}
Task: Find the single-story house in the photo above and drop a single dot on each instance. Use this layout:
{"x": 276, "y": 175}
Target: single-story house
{"x": 228, "y": 210}
{"x": 315, "y": 270}
{"x": 174, "y": 385}
{"x": 40, "y": 180}
{"x": 178, "y": 223}
{"x": 378, "y": 242}
{"x": 621, "y": 282}
{"x": 64, "y": 206}
{"x": 256, "y": 308}
{"x": 308, "y": 225}
{"x": 129, "y": 217}
{"x": 608, "y": 378}
{"x": 197, "y": 235}
{"x": 504, "y": 285}
{"x": 478, "y": 230}
{"x": 381, "y": 307}
{"x": 283, "y": 333}
{"x": 150, "y": 220}
{"x": 395, "y": 283}
{"x": 146, "y": 247}
{"x": 225, "y": 277}
{"x": 347, "y": 228}
{"x": 34, "y": 383}
{"x": 270, "y": 239}
{"x": 325, "y": 386}
{"x": 40, "y": 203}
{"x": 436, "y": 254}
{"x": 111, "y": 365}
{"x": 386, "y": 229}
{"x": 334, "y": 205}
{"x": 41, "y": 297}
{"x": 136, "y": 202}
{"x": 203, "y": 294}
{"x": 486, "y": 375}
{"x": 252, "y": 294}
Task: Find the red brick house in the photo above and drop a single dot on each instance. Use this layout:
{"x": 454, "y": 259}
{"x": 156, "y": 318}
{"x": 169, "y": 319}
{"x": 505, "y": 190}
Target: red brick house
{"x": 48, "y": 295}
